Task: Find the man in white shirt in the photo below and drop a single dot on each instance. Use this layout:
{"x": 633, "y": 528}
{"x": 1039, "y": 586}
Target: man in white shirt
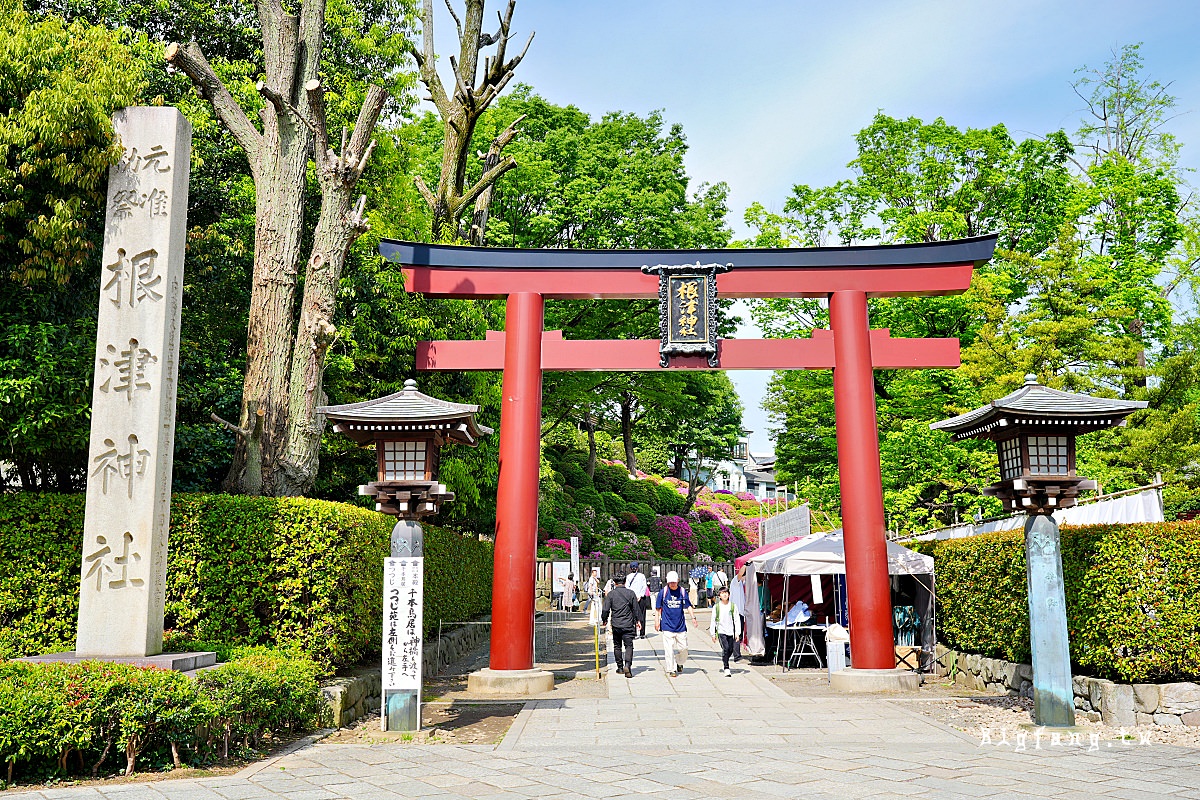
{"x": 737, "y": 595}
{"x": 635, "y": 581}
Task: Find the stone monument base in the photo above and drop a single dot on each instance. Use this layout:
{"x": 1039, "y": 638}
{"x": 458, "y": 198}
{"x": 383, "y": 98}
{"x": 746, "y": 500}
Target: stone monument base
{"x": 180, "y": 662}
{"x": 874, "y": 680}
{"x": 510, "y": 681}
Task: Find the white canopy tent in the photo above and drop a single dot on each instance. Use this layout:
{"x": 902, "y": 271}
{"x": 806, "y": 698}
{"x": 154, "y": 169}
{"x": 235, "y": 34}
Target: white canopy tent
{"x": 825, "y": 554}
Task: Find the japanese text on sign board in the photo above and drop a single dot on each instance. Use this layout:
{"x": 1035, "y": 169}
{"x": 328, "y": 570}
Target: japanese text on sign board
{"x": 402, "y": 618}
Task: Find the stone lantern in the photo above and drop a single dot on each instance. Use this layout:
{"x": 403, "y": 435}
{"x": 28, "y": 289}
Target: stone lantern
{"x": 408, "y": 429}
{"x": 1034, "y": 429}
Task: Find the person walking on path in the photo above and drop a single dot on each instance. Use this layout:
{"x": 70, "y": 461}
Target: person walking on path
{"x": 725, "y": 625}
{"x": 737, "y": 595}
{"x": 622, "y": 605}
{"x": 568, "y": 595}
{"x": 635, "y": 581}
{"x": 672, "y": 601}
{"x": 592, "y": 589}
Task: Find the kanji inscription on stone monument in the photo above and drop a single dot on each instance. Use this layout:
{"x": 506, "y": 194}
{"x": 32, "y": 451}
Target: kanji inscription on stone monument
{"x": 133, "y": 398}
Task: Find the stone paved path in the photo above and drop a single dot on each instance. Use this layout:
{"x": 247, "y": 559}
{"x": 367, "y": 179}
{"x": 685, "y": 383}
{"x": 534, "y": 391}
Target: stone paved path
{"x": 701, "y": 735}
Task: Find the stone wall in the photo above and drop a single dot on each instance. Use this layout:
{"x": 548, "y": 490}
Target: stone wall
{"x": 1116, "y": 704}
{"x": 357, "y": 693}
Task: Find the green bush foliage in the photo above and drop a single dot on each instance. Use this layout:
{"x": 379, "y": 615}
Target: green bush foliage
{"x": 1133, "y": 602}
{"x": 611, "y": 478}
{"x": 708, "y": 537}
{"x": 645, "y": 515}
{"x": 574, "y": 475}
{"x": 590, "y": 498}
{"x": 105, "y": 713}
{"x": 240, "y": 570}
{"x": 637, "y": 492}
{"x": 613, "y": 503}
{"x": 667, "y": 500}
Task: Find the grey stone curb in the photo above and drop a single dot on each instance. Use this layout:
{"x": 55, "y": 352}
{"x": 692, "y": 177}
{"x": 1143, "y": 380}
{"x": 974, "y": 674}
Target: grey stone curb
{"x": 509, "y": 742}
{"x": 299, "y": 744}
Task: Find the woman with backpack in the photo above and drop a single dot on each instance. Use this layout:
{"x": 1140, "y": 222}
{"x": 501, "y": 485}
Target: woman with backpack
{"x": 725, "y": 625}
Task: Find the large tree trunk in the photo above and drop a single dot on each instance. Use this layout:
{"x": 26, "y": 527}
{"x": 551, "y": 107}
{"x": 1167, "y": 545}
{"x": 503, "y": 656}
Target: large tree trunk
{"x": 627, "y": 432}
{"x": 278, "y": 431}
{"x": 338, "y": 226}
{"x": 460, "y": 111}
{"x": 589, "y": 423}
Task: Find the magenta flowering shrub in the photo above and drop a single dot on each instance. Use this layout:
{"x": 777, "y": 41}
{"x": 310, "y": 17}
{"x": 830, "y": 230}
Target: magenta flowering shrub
{"x": 703, "y": 515}
{"x": 745, "y": 496}
{"x": 559, "y": 544}
{"x": 722, "y": 510}
{"x": 673, "y": 535}
{"x": 732, "y": 544}
{"x": 722, "y": 491}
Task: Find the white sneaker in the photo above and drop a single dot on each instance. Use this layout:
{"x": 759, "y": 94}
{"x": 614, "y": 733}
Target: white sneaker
{"x": 728, "y": 673}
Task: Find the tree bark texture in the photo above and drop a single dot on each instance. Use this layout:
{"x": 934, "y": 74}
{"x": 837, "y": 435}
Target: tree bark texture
{"x": 627, "y": 432}
{"x": 589, "y": 423}
{"x": 278, "y": 431}
{"x": 460, "y": 110}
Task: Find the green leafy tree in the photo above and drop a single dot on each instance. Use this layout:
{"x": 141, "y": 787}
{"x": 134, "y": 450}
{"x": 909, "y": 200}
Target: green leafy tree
{"x": 60, "y": 84}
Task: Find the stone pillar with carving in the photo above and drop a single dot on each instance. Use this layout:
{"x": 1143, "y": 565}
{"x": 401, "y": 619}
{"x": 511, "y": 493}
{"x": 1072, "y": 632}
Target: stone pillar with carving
{"x": 128, "y": 512}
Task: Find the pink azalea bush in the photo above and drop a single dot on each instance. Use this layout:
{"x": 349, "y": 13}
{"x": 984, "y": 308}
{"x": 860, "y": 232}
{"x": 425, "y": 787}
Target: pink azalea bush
{"x": 673, "y": 535}
{"x": 745, "y": 496}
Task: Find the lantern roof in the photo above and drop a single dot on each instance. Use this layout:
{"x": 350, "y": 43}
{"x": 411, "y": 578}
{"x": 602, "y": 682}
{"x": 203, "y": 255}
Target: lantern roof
{"x": 1035, "y": 405}
{"x": 406, "y": 412}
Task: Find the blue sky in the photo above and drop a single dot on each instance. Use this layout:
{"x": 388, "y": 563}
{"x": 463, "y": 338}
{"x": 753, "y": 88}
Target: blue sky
{"x": 770, "y": 94}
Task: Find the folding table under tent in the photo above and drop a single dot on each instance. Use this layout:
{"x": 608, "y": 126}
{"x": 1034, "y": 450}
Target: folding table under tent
{"x": 825, "y": 554}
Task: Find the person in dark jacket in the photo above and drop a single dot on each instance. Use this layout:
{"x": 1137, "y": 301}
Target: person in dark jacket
{"x": 624, "y": 607}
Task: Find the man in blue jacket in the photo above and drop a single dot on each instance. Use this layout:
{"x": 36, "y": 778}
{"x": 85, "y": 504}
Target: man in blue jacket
{"x": 672, "y": 601}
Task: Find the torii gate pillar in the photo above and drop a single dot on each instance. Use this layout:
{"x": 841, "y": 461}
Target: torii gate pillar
{"x": 863, "y": 524}
{"x": 517, "y": 494}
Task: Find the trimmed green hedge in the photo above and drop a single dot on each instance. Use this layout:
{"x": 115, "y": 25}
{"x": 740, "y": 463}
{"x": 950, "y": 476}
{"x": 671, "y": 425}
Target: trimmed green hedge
{"x": 1133, "y": 598}
{"x": 240, "y": 570}
{"x": 65, "y": 719}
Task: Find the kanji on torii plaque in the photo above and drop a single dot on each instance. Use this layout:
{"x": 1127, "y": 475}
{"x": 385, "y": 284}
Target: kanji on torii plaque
{"x": 845, "y": 276}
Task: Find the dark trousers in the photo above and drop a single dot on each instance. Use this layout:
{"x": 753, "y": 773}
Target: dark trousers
{"x": 643, "y": 607}
{"x": 623, "y": 637}
{"x": 727, "y": 645}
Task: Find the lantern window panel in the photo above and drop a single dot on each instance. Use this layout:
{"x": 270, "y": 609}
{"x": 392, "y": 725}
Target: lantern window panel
{"x": 1048, "y": 455}
{"x": 404, "y": 461}
{"x": 1010, "y": 458}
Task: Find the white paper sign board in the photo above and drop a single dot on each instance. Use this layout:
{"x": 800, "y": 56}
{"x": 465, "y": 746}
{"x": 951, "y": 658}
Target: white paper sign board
{"x": 402, "y": 618}
{"x": 575, "y": 560}
{"x": 561, "y": 569}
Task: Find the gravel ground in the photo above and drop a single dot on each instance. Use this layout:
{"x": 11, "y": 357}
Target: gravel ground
{"x": 1000, "y": 716}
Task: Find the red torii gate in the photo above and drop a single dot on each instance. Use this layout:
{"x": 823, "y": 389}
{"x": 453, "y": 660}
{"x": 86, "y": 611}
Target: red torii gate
{"x": 846, "y": 276}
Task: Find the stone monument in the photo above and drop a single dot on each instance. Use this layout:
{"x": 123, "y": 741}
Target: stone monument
{"x": 128, "y": 512}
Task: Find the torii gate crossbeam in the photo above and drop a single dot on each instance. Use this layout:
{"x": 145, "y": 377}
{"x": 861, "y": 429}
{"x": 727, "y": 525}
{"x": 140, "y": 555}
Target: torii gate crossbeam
{"x": 846, "y": 276}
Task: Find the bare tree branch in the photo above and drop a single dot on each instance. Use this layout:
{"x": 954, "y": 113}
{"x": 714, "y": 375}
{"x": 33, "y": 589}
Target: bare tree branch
{"x": 189, "y": 59}
{"x": 364, "y": 126}
{"x": 486, "y": 180}
{"x": 316, "y": 107}
{"x": 427, "y": 63}
{"x": 426, "y": 193}
{"x": 457, "y": 21}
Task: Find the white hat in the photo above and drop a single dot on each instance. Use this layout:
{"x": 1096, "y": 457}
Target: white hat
{"x": 672, "y": 577}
